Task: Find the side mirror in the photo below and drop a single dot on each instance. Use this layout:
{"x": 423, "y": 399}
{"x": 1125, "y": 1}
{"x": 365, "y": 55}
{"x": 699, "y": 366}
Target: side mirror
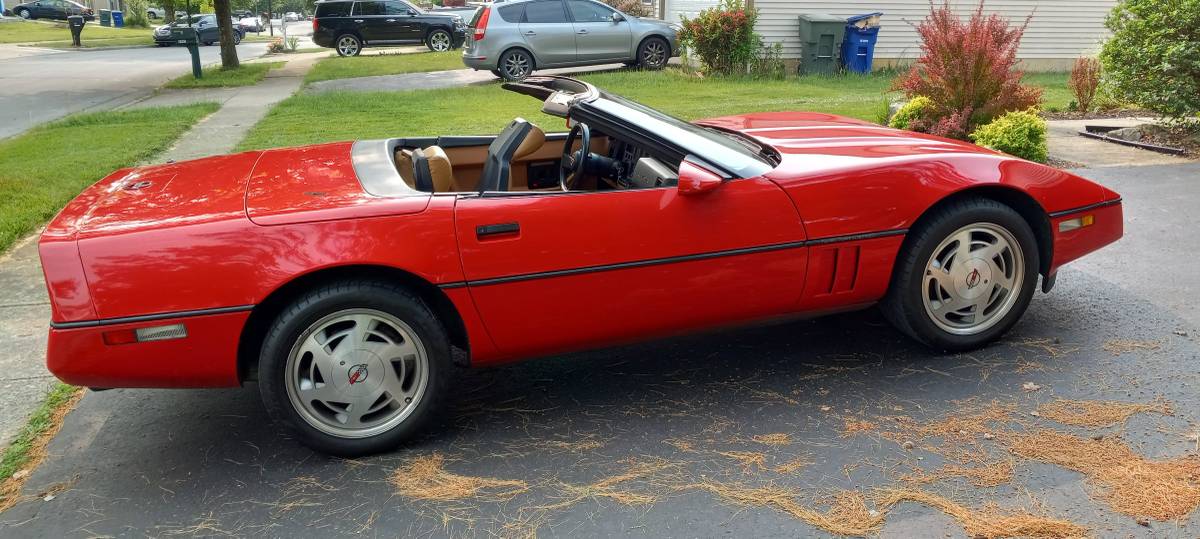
{"x": 617, "y": 17}
{"x": 694, "y": 180}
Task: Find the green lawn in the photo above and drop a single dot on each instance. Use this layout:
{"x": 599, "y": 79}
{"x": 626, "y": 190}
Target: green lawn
{"x": 42, "y": 32}
{"x": 485, "y": 109}
{"x": 27, "y": 450}
{"x": 44, "y": 168}
{"x": 338, "y": 67}
{"x": 215, "y": 76}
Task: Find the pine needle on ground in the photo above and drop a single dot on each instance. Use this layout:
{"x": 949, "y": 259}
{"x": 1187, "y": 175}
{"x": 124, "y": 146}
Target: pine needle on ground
{"x": 425, "y": 478}
{"x": 778, "y": 438}
{"x": 1098, "y": 413}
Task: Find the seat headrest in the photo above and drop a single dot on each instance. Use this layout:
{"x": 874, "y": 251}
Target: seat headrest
{"x": 533, "y": 141}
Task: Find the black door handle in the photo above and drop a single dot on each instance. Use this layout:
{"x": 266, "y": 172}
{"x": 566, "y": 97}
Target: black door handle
{"x": 497, "y": 229}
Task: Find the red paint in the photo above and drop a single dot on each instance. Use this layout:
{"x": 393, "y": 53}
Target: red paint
{"x": 230, "y": 230}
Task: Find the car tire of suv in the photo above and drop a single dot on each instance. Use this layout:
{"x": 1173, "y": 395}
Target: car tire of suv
{"x": 355, "y": 367}
{"x": 439, "y": 41}
{"x": 515, "y": 65}
{"x": 237, "y": 37}
{"x": 653, "y": 53}
{"x": 931, "y": 275}
{"x": 347, "y": 45}
{"x": 24, "y": 14}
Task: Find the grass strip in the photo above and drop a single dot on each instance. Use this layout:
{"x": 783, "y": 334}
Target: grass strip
{"x": 219, "y": 77}
{"x": 44, "y": 168}
{"x": 28, "y": 450}
{"x": 337, "y": 67}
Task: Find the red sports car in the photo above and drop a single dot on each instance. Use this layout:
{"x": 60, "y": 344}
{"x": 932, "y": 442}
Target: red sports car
{"x": 349, "y": 279}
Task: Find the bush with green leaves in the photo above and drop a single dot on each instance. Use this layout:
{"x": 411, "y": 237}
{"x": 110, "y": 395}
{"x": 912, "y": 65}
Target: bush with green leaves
{"x": 1153, "y": 56}
{"x": 722, "y": 37}
{"x": 1021, "y": 133}
{"x": 135, "y": 14}
{"x": 630, "y": 7}
{"x": 916, "y": 109}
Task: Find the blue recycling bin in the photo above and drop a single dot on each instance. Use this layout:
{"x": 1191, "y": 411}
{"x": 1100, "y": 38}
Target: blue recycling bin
{"x": 118, "y": 19}
{"x": 858, "y": 45}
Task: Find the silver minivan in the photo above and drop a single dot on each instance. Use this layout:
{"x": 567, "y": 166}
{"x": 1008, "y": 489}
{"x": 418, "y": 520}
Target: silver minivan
{"x": 516, "y": 37}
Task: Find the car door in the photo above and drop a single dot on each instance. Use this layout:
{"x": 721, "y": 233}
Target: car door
{"x": 554, "y": 271}
{"x": 597, "y": 35}
{"x": 370, "y": 20}
{"x": 403, "y": 21}
{"x": 548, "y": 32}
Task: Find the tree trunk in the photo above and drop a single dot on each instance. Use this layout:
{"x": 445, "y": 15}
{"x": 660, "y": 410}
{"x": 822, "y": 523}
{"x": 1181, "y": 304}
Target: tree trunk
{"x": 168, "y": 11}
{"x": 229, "y": 59}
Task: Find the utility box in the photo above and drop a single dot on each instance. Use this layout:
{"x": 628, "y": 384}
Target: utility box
{"x": 820, "y": 43}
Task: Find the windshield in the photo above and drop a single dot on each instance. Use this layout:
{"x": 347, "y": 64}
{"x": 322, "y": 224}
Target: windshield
{"x": 727, "y": 150}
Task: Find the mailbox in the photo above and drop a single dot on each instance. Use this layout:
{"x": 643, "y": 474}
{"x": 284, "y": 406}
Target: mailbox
{"x": 75, "y": 23}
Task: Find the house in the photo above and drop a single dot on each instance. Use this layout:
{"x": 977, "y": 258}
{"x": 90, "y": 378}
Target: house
{"x": 1059, "y": 31}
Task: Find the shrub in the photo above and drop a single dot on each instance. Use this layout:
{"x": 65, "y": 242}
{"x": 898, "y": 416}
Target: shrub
{"x": 917, "y": 109}
{"x": 722, "y": 37}
{"x": 135, "y": 14}
{"x": 968, "y": 70}
{"x": 630, "y": 7}
{"x": 1153, "y": 56}
{"x": 1085, "y": 78}
{"x": 1021, "y": 133}
{"x": 768, "y": 62}
{"x": 276, "y": 45}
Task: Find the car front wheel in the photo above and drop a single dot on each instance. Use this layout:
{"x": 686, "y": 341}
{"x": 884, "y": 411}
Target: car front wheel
{"x": 653, "y": 53}
{"x": 24, "y": 14}
{"x": 355, "y": 368}
{"x": 348, "y": 45}
{"x": 439, "y": 41}
{"x": 965, "y": 275}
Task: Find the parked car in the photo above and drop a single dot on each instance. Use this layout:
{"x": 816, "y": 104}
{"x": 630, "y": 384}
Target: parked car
{"x": 250, "y": 24}
{"x": 349, "y": 26}
{"x": 52, "y": 9}
{"x": 291, "y": 16}
{"x": 207, "y": 31}
{"x": 518, "y": 37}
{"x": 155, "y": 13}
{"x": 349, "y": 279}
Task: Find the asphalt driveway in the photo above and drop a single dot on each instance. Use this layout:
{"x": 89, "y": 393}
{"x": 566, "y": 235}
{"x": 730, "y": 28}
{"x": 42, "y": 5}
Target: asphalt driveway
{"x": 701, "y": 436}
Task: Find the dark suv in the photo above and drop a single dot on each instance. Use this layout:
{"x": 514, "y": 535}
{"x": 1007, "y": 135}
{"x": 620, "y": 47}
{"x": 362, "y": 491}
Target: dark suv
{"x": 348, "y": 26}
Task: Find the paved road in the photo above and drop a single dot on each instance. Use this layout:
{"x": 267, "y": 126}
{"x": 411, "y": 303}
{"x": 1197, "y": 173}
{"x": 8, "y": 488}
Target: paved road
{"x": 38, "y": 85}
{"x": 208, "y": 463}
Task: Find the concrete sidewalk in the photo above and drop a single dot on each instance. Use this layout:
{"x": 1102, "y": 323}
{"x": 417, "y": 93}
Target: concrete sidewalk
{"x": 1066, "y": 143}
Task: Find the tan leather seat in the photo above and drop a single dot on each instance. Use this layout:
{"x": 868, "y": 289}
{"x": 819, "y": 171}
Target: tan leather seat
{"x": 532, "y": 143}
{"x": 404, "y": 165}
{"x": 441, "y": 170}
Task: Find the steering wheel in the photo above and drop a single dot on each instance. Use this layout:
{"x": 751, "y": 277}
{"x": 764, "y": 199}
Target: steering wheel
{"x": 571, "y": 167}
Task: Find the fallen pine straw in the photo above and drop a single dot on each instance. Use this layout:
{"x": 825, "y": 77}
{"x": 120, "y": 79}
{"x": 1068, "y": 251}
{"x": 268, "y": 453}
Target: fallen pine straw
{"x": 990, "y": 521}
{"x": 792, "y": 466}
{"x": 988, "y": 474}
{"x": 1098, "y": 413}
{"x": 854, "y": 427}
{"x": 1123, "y": 346}
{"x": 607, "y": 487}
{"x": 848, "y": 513}
{"x": 1126, "y": 481}
{"x": 425, "y": 478}
{"x": 778, "y": 438}
{"x": 749, "y": 459}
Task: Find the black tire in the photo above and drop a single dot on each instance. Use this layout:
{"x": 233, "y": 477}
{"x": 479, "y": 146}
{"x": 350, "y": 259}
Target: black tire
{"x": 904, "y": 305}
{"x": 347, "y": 45}
{"x": 237, "y": 38}
{"x": 150, "y": 15}
{"x": 206, "y": 43}
{"x": 438, "y": 39}
{"x": 24, "y": 14}
{"x": 497, "y": 73}
{"x": 515, "y": 65}
{"x": 305, "y": 312}
{"x": 653, "y": 53}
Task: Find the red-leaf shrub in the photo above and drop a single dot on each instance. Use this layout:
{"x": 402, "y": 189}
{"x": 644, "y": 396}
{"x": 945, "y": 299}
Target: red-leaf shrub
{"x": 968, "y": 69}
{"x": 1085, "y": 78}
{"x": 630, "y": 7}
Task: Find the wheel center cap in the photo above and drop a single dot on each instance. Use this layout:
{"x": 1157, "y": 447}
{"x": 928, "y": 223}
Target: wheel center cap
{"x": 971, "y": 281}
{"x": 359, "y": 372}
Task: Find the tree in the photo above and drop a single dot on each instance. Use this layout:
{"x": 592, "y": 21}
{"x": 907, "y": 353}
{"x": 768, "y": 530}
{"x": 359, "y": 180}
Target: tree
{"x": 1153, "y": 57}
{"x": 168, "y": 10}
{"x": 229, "y": 58}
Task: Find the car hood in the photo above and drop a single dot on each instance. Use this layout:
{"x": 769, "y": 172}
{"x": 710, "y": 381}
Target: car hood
{"x": 273, "y": 187}
{"x": 818, "y": 141}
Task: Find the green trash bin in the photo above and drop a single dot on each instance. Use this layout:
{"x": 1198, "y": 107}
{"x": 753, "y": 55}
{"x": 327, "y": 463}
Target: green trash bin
{"x": 106, "y": 17}
{"x": 820, "y": 43}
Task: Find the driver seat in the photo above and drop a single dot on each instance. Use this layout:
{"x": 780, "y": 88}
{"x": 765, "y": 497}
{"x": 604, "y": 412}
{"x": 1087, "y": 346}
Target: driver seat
{"x": 433, "y": 172}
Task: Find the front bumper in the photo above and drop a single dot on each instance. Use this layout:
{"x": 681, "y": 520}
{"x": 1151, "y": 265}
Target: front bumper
{"x": 206, "y": 357}
{"x": 1070, "y": 243}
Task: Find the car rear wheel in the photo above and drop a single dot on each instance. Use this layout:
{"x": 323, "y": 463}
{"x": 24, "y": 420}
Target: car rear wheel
{"x": 965, "y": 276}
{"x": 24, "y": 14}
{"x": 515, "y": 65}
{"x": 237, "y": 38}
{"x": 348, "y": 45}
{"x": 653, "y": 53}
{"x": 439, "y": 41}
{"x": 355, "y": 368}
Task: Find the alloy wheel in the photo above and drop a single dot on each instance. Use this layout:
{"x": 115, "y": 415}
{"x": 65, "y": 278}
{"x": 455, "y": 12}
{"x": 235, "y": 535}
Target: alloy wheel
{"x": 24, "y": 14}
{"x": 973, "y": 279}
{"x": 654, "y": 54}
{"x": 439, "y": 41}
{"x": 357, "y": 373}
{"x": 516, "y": 65}
{"x": 347, "y": 46}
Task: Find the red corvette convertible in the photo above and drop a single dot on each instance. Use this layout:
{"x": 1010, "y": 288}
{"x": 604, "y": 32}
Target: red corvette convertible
{"x": 349, "y": 279}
